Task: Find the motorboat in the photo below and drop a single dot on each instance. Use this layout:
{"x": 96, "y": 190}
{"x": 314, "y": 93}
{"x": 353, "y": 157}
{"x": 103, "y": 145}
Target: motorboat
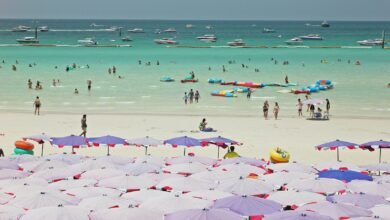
{"x": 311, "y": 37}
{"x": 325, "y": 24}
{"x": 126, "y": 39}
{"x": 189, "y": 26}
{"x": 236, "y": 42}
{"x": 87, "y": 41}
{"x": 371, "y": 42}
{"x": 165, "y": 41}
{"x": 28, "y": 40}
{"x": 209, "y": 27}
{"x": 170, "y": 30}
{"x": 294, "y": 41}
{"x": 268, "y": 30}
{"x": 136, "y": 30}
{"x": 207, "y": 37}
{"x": 20, "y": 28}
{"x": 43, "y": 29}
{"x": 209, "y": 40}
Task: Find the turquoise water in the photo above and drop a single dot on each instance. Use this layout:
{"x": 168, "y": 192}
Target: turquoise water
{"x": 359, "y": 90}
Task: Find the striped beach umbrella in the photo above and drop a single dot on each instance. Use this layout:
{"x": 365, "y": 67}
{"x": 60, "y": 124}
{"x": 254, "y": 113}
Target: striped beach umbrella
{"x": 108, "y": 140}
{"x": 336, "y": 145}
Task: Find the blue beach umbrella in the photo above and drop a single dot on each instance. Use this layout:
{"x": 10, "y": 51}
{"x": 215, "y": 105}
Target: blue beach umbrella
{"x": 335, "y": 145}
{"x": 344, "y": 175}
{"x": 108, "y": 140}
{"x": 183, "y": 141}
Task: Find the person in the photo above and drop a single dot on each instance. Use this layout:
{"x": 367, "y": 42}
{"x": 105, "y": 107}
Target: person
{"x": 308, "y": 105}
{"x": 265, "y": 110}
{"x": 84, "y": 126}
{"x": 37, "y": 105}
{"x": 54, "y": 83}
{"x": 89, "y": 83}
{"x": 197, "y": 96}
{"x": 312, "y": 108}
{"x": 203, "y": 124}
{"x": 276, "y": 110}
{"x": 327, "y": 106}
{"x": 114, "y": 70}
{"x": 109, "y": 70}
{"x": 231, "y": 153}
{"x": 185, "y": 98}
{"x": 300, "y": 105}
{"x": 29, "y": 83}
{"x": 192, "y": 75}
{"x": 318, "y": 114}
{"x": 248, "y": 95}
{"x": 76, "y": 91}
{"x": 191, "y": 96}
{"x": 286, "y": 79}
{"x": 1, "y": 152}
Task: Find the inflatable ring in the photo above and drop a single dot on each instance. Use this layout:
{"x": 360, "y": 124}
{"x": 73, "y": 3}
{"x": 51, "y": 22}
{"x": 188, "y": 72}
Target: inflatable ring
{"x": 24, "y": 145}
{"x": 278, "y": 155}
{"x": 19, "y": 151}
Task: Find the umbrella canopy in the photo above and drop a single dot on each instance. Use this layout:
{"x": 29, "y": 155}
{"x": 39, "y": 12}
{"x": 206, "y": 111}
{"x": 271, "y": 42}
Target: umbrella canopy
{"x": 105, "y": 202}
{"x": 190, "y": 159}
{"x": 291, "y": 167}
{"x": 103, "y": 173}
{"x": 108, "y": 140}
{"x": 57, "y": 213}
{"x": 282, "y": 178}
{"x": 204, "y": 214}
{"x": 381, "y": 211}
{"x": 295, "y": 198}
{"x": 126, "y": 214}
{"x": 335, "y": 145}
{"x": 145, "y": 141}
{"x": 183, "y": 141}
{"x": 11, "y": 212}
{"x": 248, "y": 205}
{"x": 71, "y": 184}
{"x": 337, "y": 165}
{"x": 70, "y": 141}
{"x": 144, "y": 195}
{"x": 172, "y": 203}
{"x": 344, "y": 175}
{"x": 244, "y": 186}
{"x": 186, "y": 168}
{"x": 381, "y": 167}
{"x": 375, "y": 188}
{"x": 372, "y": 145}
{"x": 245, "y": 160}
{"x": 320, "y": 185}
{"x": 366, "y": 201}
{"x": 210, "y": 195}
{"x": 313, "y": 102}
{"x": 39, "y": 138}
{"x": 336, "y": 210}
{"x": 88, "y": 192}
{"x": 296, "y": 215}
{"x": 127, "y": 182}
{"x": 37, "y": 199}
{"x": 185, "y": 184}
{"x": 219, "y": 141}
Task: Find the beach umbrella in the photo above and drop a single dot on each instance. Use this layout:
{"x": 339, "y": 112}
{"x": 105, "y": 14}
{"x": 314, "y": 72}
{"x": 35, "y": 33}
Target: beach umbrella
{"x": 185, "y": 168}
{"x": 11, "y": 212}
{"x": 115, "y": 160}
{"x": 366, "y": 201}
{"x": 296, "y": 215}
{"x": 127, "y": 213}
{"x": 337, "y": 165}
{"x": 38, "y": 199}
{"x": 190, "y": 159}
{"x": 57, "y": 213}
{"x": 244, "y": 186}
{"x": 245, "y": 160}
{"x": 381, "y": 211}
{"x": 344, "y": 175}
{"x": 291, "y": 167}
{"x": 335, "y": 145}
{"x": 71, "y": 184}
{"x": 145, "y": 142}
{"x": 210, "y": 195}
{"x": 320, "y": 185}
{"x": 102, "y": 173}
{"x": 294, "y": 198}
{"x": 372, "y": 145}
{"x": 40, "y": 139}
{"x": 92, "y": 164}
{"x": 248, "y": 205}
{"x": 42, "y": 164}
{"x": 70, "y": 141}
{"x": 31, "y": 181}
{"x": 185, "y": 184}
{"x": 183, "y": 141}
{"x": 108, "y": 140}
{"x": 91, "y": 191}
{"x": 56, "y": 174}
{"x": 204, "y": 214}
{"x": 12, "y": 174}
{"x": 66, "y": 158}
{"x": 105, "y": 202}
{"x": 157, "y": 161}
{"x": 381, "y": 167}
{"x": 219, "y": 142}
{"x": 313, "y": 102}
{"x": 144, "y": 195}
{"x": 6, "y": 163}
{"x": 282, "y": 178}
{"x": 141, "y": 168}
{"x": 5, "y": 198}
{"x": 128, "y": 183}
{"x": 336, "y": 210}
{"x": 369, "y": 187}
{"x": 173, "y": 203}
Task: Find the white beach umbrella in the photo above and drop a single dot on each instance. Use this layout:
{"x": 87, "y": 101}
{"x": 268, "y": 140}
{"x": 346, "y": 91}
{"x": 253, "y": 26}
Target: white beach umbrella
{"x": 40, "y": 165}
{"x": 240, "y": 169}
{"x": 144, "y": 195}
{"x": 71, "y": 184}
{"x": 128, "y": 183}
{"x": 204, "y": 214}
{"x": 381, "y": 211}
{"x": 173, "y": 203}
{"x": 116, "y": 160}
{"x": 157, "y": 161}
{"x": 6, "y": 163}
{"x": 336, "y": 210}
{"x": 5, "y": 198}
{"x": 39, "y": 199}
{"x": 141, "y": 168}
{"x": 210, "y": 195}
{"x": 24, "y": 181}
{"x": 158, "y": 177}
{"x": 291, "y": 167}
{"x": 368, "y": 187}
{"x": 66, "y": 158}
{"x": 320, "y": 185}
{"x": 214, "y": 175}
{"x": 366, "y": 201}
{"x": 24, "y": 158}
{"x": 57, "y": 213}
{"x": 281, "y": 178}
{"x": 245, "y": 160}
{"x": 337, "y": 165}
{"x": 21, "y": 189}
{"x": 385, "y": 167}
{"x": 191, "y": 159}
{"x": 185, "y": 184}
{"x": 92, "y": 164}
{"x": 88, "y": 192}
{"x": 186, "y": 168}
{"x": 127, "y": 214}
{"x": 295, "y": 198}
{"x": 244, "y": 186}
{"x": 102, "y": 173}
{"x": 12, "y": 174}
{"x": 56, "y": 174}
{"x": 105, "y": 202}
{"x": 8, "y": 212}
{"x": 296, "y": 215}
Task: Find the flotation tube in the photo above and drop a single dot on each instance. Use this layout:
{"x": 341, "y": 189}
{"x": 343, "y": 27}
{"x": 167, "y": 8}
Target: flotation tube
{"x": 311, "y": 88}
{"x": 301, "y": 92}
{"x": 323, "y": 82}
{"x": 278, "y": 155}
{"x": 228, "y": 83}
{"x": 214, "y": 80}
{"x": 19, "y": 151}
{"x": 166, "y": 79}
{"x": 241, "y": 90}
{"x": 224, "y": 93}
{"x": 249, "y": 84}
{"x": 24, "y": 145}
{"x": 189, "y": 81}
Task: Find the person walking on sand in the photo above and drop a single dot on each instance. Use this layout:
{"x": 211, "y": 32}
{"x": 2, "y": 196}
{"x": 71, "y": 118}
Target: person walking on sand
{"x": 197, "y": 96}
{"x": 265, "y": 110}
{"x": 1, "y": 152}
{"x": 327, "y": 106}
{"x": 84, "y": 126}
{"x": 185, "y": 98}
{"x": 300, "y": 105}
{"x": 37, "y": 106}
{"x": 276, "y": 110}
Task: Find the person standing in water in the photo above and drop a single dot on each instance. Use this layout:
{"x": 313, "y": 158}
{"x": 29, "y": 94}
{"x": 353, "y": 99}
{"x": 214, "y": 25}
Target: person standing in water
{"x": 197, "y": 96}
{"x": 327, "y": 106}
{"x": 276, "y": 110}
{"x": 29, "y": 84}
{"x": 84, "y": 126}
{"x": 249, "y": 94}
{"x": 89, "y": 84}
{"x": 286, "y": 79}
{"x": 265, "y": 110}
{"x": 191, "y": 96}
{"x": 76, "y": 91}
{"x": 37, "y": 106}
{"x": 185, "y": 98}
{"x": 300, "y": 105}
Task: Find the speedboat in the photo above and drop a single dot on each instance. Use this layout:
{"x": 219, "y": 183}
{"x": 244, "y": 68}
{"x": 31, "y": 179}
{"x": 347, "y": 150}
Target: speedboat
{"x": 207, "y": 37}
{"x": 87, "y": 41}
{"x": 268, "y": 30}
{"x": 43, "y": 29}
{"x": 126, "y": 39}
{"x": 311, "y": 37}
{"x": 325, "y": 24}
{"x": 189, "y": 26}
{"x": 28, "y": 40}
{"x": 371, "y": 42}
{"x": 165, "y": 41}
{"x": 294, "y": 41}
{"x": 136, "y": 30}
{"x": 170, "y": 30}
{"x": 209, "y": 40}
{"x": 20, "y": 28}
{"x": 236, "y": 42}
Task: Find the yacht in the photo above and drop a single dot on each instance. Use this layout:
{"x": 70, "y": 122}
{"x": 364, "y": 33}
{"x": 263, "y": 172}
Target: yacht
{"x": 126, "y": 39}
{"x": 189, "y": 26}
{"x": 165, "y": 41}
{"x": 170, "y": 30}
{"x": 236, "y": 42}
{"x": 294, "y": 41}
{"x": 136, "y": 30}
{"x": 207, "y": 37}
{"x": 268, "y": 30}
{"x": 371, "y": 42}
{"x": 43, "y": 29}
{"x": 325, "y": 24}
{"x": 87, "y": 41}
{"x": 28, "y": 40}
{"x": 311, "y": 37}
{"x": 20, "y": 28}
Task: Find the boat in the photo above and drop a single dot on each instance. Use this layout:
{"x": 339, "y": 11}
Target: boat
{"x": 165, "y": 41}
{"x": 294, "y": 41}
{"x": 325, "y": 24}
{"x": 236, "y": 42}
{"x": 189, "y": 80}
{"x": 20, "y": 28}
{"x": 126, "y": 39}
{"x": 207, "y": 37}
{"x": 87, "y": 41}
{"x": 136, "y": 30}
{"x": 268, "y": 30}
{"x": 166, "y": 79}
{"x": 96, "y": 25}
{"x": 208, "y": 40}
{"x": 43, "y": 29}
{"x": 311, "y": 37}
{"x": 114, "y": 28}
{"x": 170, "y": 30}
{"x": 209, "y": 27}
{"x": 28, "y": 40}
{"x": 371, "y": 42}
{"x": 189, "y": 26}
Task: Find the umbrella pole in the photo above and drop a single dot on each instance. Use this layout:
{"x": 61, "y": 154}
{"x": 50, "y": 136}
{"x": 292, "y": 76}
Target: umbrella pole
{"x": 184, "y": 151}
{"x": 42, "y": 149}
{"x": 108, "y": 150}
{"x": 146, "y": 150}
{"x": 380, "y": 155}
{"x": 218, "y": 151}
{"x": 338, "y": 156}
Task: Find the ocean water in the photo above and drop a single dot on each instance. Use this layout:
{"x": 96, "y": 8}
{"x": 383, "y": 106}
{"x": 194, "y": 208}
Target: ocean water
{"x": 360, "y": 91}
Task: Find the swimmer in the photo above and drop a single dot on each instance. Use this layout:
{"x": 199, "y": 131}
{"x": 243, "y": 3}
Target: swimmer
{"x": 76, "y": 91}
{"x": 29, "y": 83}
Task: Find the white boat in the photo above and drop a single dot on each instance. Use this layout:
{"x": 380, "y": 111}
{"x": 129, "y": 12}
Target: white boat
{"x": 136, "y": 30}
{"x": 311, "y": 37}
{"x": 20, "y": 28}
{"x": 208, "y": 40}
{"x": 325, "y": 24}
{"x": 294, "y": 41}
{"x": 207, "y": 37}
{"x": 43, "y": 29}
{"x": 209, "y": 27}
{"x": 87, "y": 41}
{"x": 371, "y": 42}
{"x": 28, "y": 40}
{"x": 157, "y": 31}
{"x": 170, "y": 30}
{"x": 96, "y": 25}
{"x": 189, "y": 26}
{"x": 236, "y": 42}
{"x": 126, "y": 39}
{"x": 165, "y": 41}
{"x": 114, "y": 28}
{"x": 268, "y": 30}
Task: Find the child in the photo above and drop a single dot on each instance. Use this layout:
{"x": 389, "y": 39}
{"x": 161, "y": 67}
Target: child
{"x": 185, "y": 98}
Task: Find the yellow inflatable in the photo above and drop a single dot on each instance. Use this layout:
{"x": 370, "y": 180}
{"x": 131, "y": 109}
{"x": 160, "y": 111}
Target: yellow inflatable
{"x": 278, "y": 155}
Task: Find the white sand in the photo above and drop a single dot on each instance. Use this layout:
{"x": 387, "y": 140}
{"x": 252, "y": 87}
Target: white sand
{"x": 298, "y": 136}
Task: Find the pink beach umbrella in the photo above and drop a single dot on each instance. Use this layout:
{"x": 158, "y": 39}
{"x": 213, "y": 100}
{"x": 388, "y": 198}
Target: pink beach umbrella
{"x": 191, "y": 159}
{"x": 296, "y": 215}
{"x": 185, "y": 184}
{"x": 244, "y": 186}
{"x": 127, "y": 214}
{"x": 366, "y": 201}
{"x": 336, "y": 145}
{"x": 8, "y": 212}
{"x": 320, "y": 185}
{"x": 128, "y": 183}
{"x": 39, "y": 199}
{"x": 145, "y": 142}
{"x": 282, "y": 178}
{"x": 368, "y": 187}
{"x": 108, "y": 140}
{"x": 90, "y": 191}
{"x": 204, "y": 214}
{"x": 372, "y": 145}
{"x": 381, "y": 211}
{"x": 172, "y": 203}
{"x": 105, "y": 202}
{"x": 336, "y": 210}
{"x": 210, "y": 195}
{"x": 294, "y": 198}
{"x": 57, "y": 213}
{"x": 144, "y": 195}
{"x": 40, "y": 139}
